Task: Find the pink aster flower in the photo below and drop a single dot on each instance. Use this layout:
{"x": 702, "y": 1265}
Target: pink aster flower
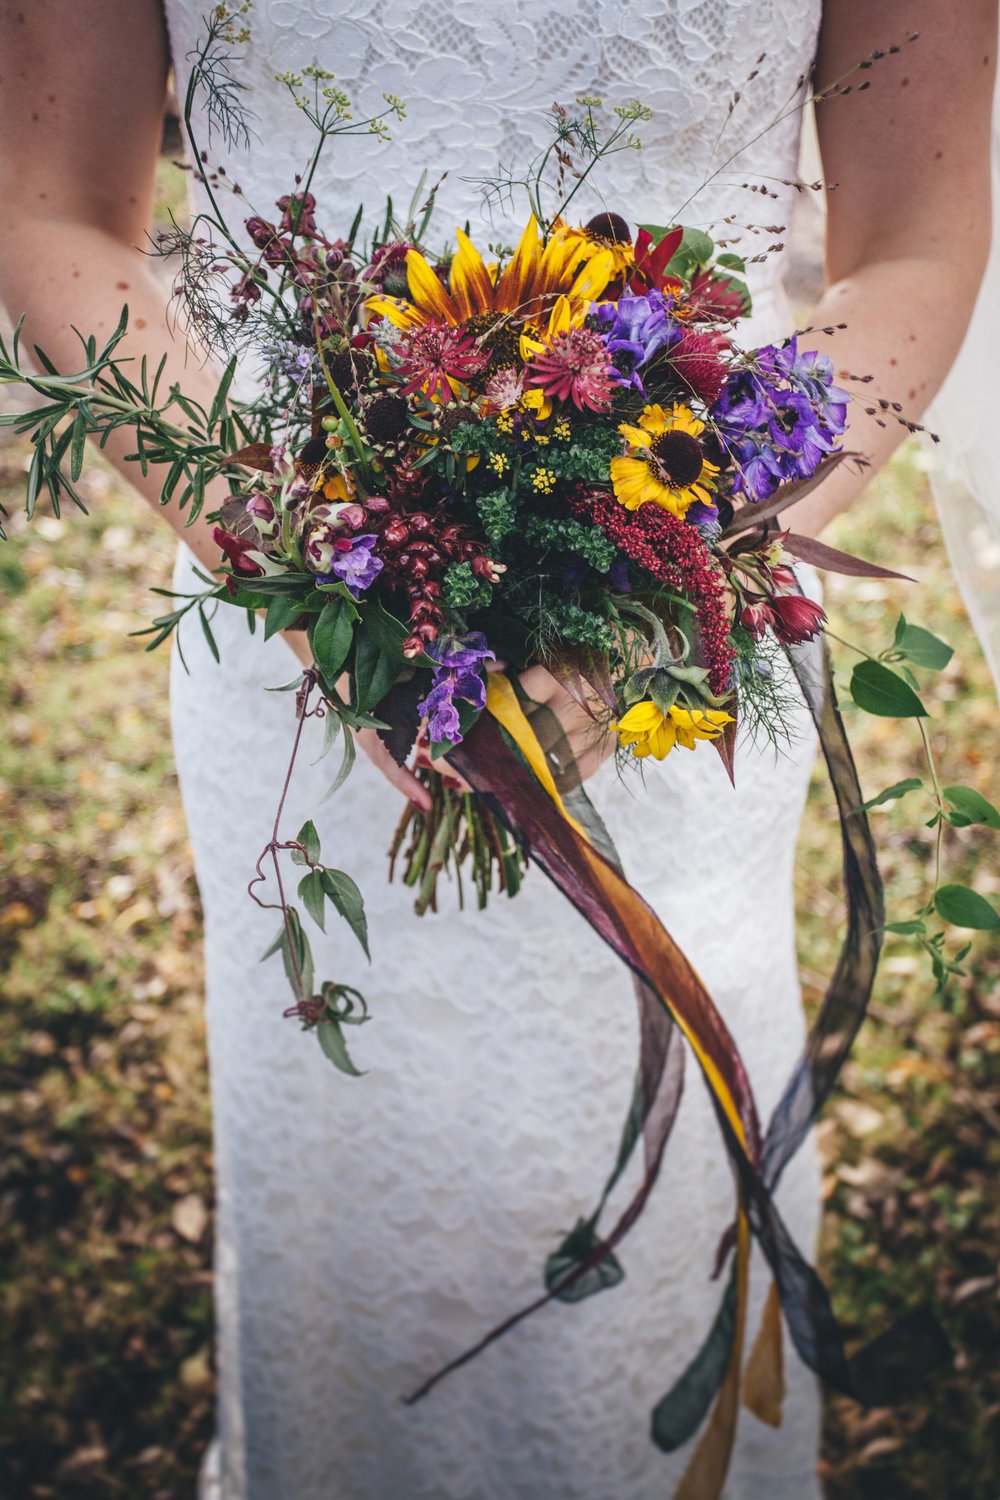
{"x": 435, "y": 358}
{"x": 505, "y": 387}
{"x": 574, "y": 366}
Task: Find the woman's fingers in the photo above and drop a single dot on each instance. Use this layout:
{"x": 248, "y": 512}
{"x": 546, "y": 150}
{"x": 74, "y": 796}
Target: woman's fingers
{"x": 401, "y": 777}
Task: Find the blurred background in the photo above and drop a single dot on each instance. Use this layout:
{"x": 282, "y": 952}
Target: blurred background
{"x": 106, "y": 1380}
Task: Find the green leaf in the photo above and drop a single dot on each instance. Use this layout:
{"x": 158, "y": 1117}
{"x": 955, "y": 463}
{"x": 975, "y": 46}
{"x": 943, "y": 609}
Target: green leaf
{"x": 920, "y": 647}
{"x": 311, "y": 894}
{"x": 375, "y": 670}
{"x": 297, "y": 951}
{"x": 309, "y": 839}
{"x": 913, "y": 928}
{"x": 331, "y": 1039}
{"x": 695, "y": 249}
{"x": 891, "y": 793}
{"x": 79, "y": 441}
{"x": 731, "y": 262}
{"x": 346, "y": 897}
{"x": 282, "y": 610}
{"x": 332, "y": 635}
{"x": 346, "y": 766}
{"x": 963, "y": 907}
{"x": 971, "y": 807}
{"x": 877, "y": 690}
{"x": 209, "y": 634}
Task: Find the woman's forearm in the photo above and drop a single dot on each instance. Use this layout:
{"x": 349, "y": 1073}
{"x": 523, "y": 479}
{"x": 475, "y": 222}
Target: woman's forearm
{"x": 905, "y": 321}
{"x": 62, "y": 276}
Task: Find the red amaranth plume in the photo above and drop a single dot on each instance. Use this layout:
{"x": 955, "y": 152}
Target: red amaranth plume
{"x": 674, "y": 554}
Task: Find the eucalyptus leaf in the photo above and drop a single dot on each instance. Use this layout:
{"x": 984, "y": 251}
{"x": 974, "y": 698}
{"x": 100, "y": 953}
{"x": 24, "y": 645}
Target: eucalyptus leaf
{"x": 346, "y": 766}
{"x": 282, "y": 610}
{"x": 878, "y": 690}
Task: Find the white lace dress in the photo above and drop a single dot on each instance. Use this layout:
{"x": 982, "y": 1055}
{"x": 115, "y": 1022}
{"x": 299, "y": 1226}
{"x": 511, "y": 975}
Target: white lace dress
{"x": 369, "y": 1229}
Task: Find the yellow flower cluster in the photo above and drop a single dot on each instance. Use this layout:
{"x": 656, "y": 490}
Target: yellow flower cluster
{"x": 650, "y": 731}
{"x": 544, "y": 480}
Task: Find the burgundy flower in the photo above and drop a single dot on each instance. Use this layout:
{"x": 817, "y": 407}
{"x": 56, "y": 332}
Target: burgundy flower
{"x": 236, "y": 549}
{"x": 756, "y": 617}
{"x": 697, "y": 358}
{"x": 435, "y": 357}
{"x": 796, "y": 618}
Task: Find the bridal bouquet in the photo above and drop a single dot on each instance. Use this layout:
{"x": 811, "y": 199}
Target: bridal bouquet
{"x": 549, "y": 453}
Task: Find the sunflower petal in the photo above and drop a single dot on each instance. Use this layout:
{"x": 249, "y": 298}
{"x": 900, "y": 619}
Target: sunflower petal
{"x": 593, "y": 278}
{"x": 514, "y": 287}
{"x": 401, "y": 314}
{"x": 427, "y": 291}
{"x": 471, "y": 284}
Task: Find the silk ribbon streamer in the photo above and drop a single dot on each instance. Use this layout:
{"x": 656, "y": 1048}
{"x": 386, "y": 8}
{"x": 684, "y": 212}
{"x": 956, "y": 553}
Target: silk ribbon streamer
{"x": 503, "y": 762}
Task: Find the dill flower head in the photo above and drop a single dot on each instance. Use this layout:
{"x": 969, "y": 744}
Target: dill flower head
{"x": 574, "y": 365}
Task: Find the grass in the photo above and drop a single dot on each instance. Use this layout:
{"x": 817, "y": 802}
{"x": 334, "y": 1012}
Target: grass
{"x": 106, "y": 1181}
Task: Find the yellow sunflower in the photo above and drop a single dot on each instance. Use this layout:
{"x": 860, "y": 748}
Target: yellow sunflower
{"x": 650, "y": 731}
{"x": 534, "y": 277}
{"x": 607, "y": 232}
{"x": 665, "y": 462}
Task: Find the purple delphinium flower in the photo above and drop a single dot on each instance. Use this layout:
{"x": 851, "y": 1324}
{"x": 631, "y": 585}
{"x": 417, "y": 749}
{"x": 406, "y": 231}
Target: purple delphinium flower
{"x": 634, "y": 329}
{"x": 353, "y": 562}
{"x": 781, "y": 419}
{"x": 457, "y": 675}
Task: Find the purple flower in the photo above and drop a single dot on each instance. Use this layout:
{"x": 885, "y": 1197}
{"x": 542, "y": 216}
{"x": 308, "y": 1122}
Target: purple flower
{"x": 780, "y": 419}
{"x": 457, "y": 675}
{"x": 353, "y": 562}
{"x": 634, "y": 329}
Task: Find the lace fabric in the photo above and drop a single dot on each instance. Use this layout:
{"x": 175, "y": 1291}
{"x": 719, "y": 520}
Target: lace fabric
{"x": 370, "y": 1228}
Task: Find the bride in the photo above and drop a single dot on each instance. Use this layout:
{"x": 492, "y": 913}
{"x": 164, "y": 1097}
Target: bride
{"x": 368, "y": 1230}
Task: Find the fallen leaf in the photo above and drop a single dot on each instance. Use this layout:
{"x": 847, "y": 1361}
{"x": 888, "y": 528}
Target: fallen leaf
{"x": 189, "y": 1218}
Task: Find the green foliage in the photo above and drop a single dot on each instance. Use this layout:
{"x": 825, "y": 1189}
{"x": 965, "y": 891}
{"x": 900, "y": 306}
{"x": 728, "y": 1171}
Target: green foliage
{"x": 463, "y": 590}
{"x": 498, "y": 513}
{"x": 542, "y": 534}
{"x": 565, "y": 619}
{"x": 878, "y": 690}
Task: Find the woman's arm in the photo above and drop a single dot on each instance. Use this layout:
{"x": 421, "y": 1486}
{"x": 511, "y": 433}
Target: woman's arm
{"x": 908, "y": 223}
{"x": 81, "y": 110}
{"x": 908, "y": 230}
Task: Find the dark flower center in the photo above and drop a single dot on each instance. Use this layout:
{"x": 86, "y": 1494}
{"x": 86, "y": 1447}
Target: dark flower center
{"x": 678, "y": 457}
{"x": 610, "y": 227}
{"x": 385, "y": 418}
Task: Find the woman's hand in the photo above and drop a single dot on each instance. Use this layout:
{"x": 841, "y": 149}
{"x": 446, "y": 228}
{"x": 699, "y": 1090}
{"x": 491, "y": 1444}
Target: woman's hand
{"x": 587, "y": 735}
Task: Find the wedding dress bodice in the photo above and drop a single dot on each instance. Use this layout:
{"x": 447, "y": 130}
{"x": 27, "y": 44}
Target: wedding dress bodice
{"x": 477, "y": 77}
